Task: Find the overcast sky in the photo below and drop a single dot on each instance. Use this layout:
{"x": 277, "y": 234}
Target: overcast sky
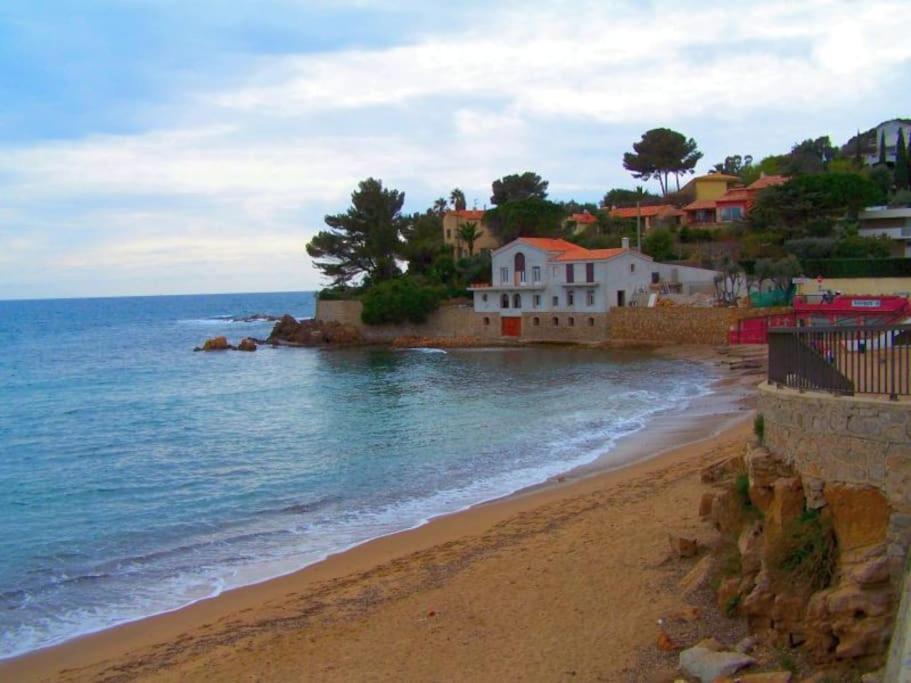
{"x": 168, "y": 146}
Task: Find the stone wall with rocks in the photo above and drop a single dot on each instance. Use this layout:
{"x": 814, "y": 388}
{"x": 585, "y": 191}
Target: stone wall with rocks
{"x": 452, "y": 319}
{"x": 565, "y": 328}
{"x": 679, "y": 324}
{"x": 854, "y": 440}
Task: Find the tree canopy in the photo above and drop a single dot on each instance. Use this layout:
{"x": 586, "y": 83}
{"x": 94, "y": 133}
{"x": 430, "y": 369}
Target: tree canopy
{"x": 516, "y": 187}
{"x": 901, "y": 162}
{"x": 810, "y": 205}
{"x": 533, "y": 216}
{"x": 620, "y": 196}
{"x": 457, "y": 197}
{"x": 660, "y": 153}
{"x": 365, "y": 239}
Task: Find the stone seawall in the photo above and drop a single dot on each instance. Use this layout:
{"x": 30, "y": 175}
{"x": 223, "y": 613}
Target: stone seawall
{"x": 859, "y": 441}
{"x": 449, "y": 320}
{"x": 659, "y": 326}
{"x": 679, "y": 324}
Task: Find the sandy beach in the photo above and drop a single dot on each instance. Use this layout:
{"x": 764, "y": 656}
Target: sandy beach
{"x": 567, "y": 580}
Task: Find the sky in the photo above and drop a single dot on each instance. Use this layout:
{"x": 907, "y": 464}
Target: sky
{"x": 166, "y": 146}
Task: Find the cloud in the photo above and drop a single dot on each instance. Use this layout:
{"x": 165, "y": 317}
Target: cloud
{"x": 236, "y": 178}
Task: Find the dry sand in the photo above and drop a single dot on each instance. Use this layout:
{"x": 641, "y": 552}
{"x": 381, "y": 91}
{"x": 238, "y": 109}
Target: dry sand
{"x": 565, "y": 581}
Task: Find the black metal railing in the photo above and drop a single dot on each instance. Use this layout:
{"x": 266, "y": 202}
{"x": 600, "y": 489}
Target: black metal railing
{"x": 842, "y": 359}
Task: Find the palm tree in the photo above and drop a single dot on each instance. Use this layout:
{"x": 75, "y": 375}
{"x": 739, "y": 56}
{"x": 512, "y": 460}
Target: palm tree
{"x": 457, "y": 197}
{"x": 440, "y": 205}
{"x": 469, "y": 233}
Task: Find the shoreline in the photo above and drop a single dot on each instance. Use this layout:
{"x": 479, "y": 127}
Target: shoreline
{"x": 667, "y": 433}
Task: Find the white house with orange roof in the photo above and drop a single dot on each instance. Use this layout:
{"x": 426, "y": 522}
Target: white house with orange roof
{"x": 541, "y": 282}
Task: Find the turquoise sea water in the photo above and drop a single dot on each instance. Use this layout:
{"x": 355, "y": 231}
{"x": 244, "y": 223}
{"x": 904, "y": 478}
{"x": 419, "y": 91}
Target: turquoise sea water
{"x": 137, "y": 476}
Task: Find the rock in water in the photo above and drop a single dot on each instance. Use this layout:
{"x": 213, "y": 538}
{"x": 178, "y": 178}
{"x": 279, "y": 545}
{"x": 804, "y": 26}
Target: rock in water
{"x": 216, "y": 344}
{"x": 706, "y": 664}
{"x": 246, "y": 344}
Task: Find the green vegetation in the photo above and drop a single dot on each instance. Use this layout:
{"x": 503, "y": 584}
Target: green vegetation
{"x": 731, "y": 605}
{"x": 531, "y": 216}
{"x": 365, "y": 239}
{"x": 401, "y": 300}
{"x": 806, "y": 551}
{"x": 659, "y": 244}
{"x": 742, "y": 487}
{"x": 660, "y": 153}
{"x": 759, "y": 427}
{"x": 884, "y": 267}
{"x": 517, "y": 187}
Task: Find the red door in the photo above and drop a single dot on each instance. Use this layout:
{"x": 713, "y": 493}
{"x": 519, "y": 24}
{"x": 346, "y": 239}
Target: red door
{"x": 511, "y": 327}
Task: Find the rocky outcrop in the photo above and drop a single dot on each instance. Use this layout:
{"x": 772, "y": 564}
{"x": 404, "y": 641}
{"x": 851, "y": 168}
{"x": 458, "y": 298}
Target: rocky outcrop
{"x": 812, "y": 568}
{"x": 292, "y": 332}
{"x": 247, "y": 344}
{"x": 215, "y": 344}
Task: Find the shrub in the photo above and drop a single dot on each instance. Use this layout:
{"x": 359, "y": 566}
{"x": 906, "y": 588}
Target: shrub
{"x": 742, "y": 486}
{"x": 858, "y": 267}
{"x": 730, "y": 607}
{"x": 806, "y": 551}
{"x": 759, "y": 427}
{"x": 400, "y": 300}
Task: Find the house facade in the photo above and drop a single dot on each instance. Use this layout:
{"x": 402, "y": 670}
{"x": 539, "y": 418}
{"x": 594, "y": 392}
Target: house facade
{"x": 540, "y": 285}
{"x": 876, "y": 221}
{"x": 650, "y": 216}
{"x": 452, "y": 220}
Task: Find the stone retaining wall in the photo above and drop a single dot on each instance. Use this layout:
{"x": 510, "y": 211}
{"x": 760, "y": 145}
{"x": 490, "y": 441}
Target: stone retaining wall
{"x": 449, "y": 320}
{"x": 663, "y": 325}
{"x": 861, "y": 441}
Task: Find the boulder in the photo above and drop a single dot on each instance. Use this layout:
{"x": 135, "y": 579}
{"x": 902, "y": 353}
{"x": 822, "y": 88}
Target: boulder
{"x": 727, "y": 513}
{"x": 857, "y": 603}
{"x": 728, "y": 591}
{"x": 787, "y": 505}
{"x": 705, "y": 505}
{"x": 863, "y": 637}
{"x": 246, "y": 344}
{"x": 707, "y": 664}
{"x": 750, "y": 546}
{"x": 682, "y": 547}
{"x": 723, "y": 470}
{"x": 872, "y": 571}
{"x": 763, "y": 470}
{"x": 860, "y": 516}
{"x": 698, "y": 577}
{"x": 216, "y": 344}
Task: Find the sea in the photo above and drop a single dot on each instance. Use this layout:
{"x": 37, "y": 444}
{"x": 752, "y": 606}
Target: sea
{"x": 137, "y": 476}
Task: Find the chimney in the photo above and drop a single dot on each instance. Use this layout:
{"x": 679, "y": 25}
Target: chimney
{"x": 624, "y": 242}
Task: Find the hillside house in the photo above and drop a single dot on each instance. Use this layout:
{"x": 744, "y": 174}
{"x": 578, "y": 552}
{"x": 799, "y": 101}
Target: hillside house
{"x": 551, "y": 282}
{"x": 650, "y": 216}
{"x": 893, "y": 223}
{"x": 451, "y": 222}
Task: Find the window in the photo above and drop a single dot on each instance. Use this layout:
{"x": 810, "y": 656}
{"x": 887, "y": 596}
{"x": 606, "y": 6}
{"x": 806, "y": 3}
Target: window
{"x": 536, "y": 321}
{"x": 504, "y": 301}
{"x": 536, "y": 273}
{"x": 570, "y": 298}
{"x": 536, "y": 301}
{"x": 484, "y": 298}
{"x": 486, "y": 321}
{"x": 591, "y": 322}
{"x": 517, "y": 301}
{"x": 589, "y": 272}
{"x": 555, "y": 302}
{"x": 519, "y": 262}
{"x": 504, "y": 274}
{"x": 555, "y": 271}
{"x": 590, "y": 297}
{"x": 731, "y": 213}
{"x": 572, "y": 322}
{"x": 632, "y": 267}
{"x": 556, "y": 321}
{"x": 570, "y": 272}
{"x": 449, "y": 233}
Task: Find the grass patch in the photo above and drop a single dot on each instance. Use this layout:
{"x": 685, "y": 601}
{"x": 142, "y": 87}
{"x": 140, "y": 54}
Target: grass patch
{"x": 730, "y": 607}
{"x": 786, "y": 661}
{"x": 759, "y": 428}
{"x": 806, "y": 551}
{"x": 742, "y": 486}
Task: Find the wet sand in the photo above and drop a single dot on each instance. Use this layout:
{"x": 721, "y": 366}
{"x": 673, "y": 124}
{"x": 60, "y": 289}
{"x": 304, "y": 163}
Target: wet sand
{"x": 561, "y": 580}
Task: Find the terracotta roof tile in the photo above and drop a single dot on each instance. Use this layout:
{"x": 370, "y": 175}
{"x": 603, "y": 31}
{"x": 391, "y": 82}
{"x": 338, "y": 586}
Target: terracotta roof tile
{"x": 646, "y": 211}
{"x": 471, "y": 214}
{"x": 769, "y": 181}
{"x": 702, "y": 204}
{"x": 584, "y": 217}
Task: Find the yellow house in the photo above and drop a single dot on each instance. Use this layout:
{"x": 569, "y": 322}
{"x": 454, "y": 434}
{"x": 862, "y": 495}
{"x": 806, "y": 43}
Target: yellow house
{"x": 709, "y": 187}
{"x": 451, "y": 222}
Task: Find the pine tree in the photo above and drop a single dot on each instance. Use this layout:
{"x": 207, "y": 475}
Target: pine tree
{"x": 901, "y": 162}
{"x": 882, "y": 148}
{"x": 858, "y": 156}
